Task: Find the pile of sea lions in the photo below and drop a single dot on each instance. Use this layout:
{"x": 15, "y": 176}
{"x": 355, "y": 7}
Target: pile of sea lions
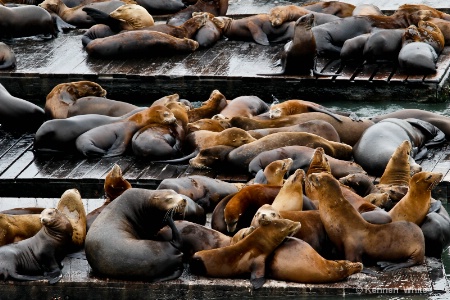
{"x": 313, "y": 212}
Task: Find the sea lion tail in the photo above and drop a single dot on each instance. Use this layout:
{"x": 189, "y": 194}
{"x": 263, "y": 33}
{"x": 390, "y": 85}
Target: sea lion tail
{"x": 179, "y": 160}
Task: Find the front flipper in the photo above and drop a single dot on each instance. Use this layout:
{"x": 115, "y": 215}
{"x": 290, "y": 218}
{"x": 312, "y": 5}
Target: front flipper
{"x": 54, "y": 276}
{"x": 258, "y": 35}
{"x": 176, "y": 241}
{"x": 16, "y": 276}
{"x": 257, "y": 278}
{"x": 391, "y": 266}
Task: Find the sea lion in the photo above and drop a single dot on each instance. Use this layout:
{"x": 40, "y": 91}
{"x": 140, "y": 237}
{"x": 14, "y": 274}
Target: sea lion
{"x": 436, "y": 230}
{"x": 387, "y": 135}
{"x": 60, "y": 134}
{"x": 15, "y": 228}
{"x": 28, "y": 20}
{"x": 208, "y": 124}
{"x": 215, "y": 103}
{"x": 212, "y": 157}
{"x": 140, "y": 43}
{"x": 209, "y": 34}
{"x": 414, "y": 206}
{"x": 62, "y": 95}
{"x": 120, "y": 244}
{"x": 318, "y": 127}
{"x": 96, "y": 31}
{"x": 353, "y": 48}
{"x": 40, "y": 256}
{"x": 162, "y": 7}
{"x": 113, "y": 139}
{"x": 234, "y": 259}
{"x": 295, "y": 260}
{"x": 215, "y": 7}
{"x": 349, "y": 130}
{"x": 418, "y": 58}
{"x": 301, "y": 156}
{"x": 205, "y": 191}
{"x": 241, "y": 156}
{"x": 195, "y": 237}
{"x": 274, "y": 172}
{"x": 295, "y": 106}
{"x": 100, "y": 106}
{"x": 114, "y": 186}
{"x": 279, "y": 15}
{"x": 290, "y": 196}
{"x": 18, "y": 114}
{"x": 255, "y": 28}
{"x": 76, "y": 15}
{"x": 337, "y": 8}
{"x": 394, "y": 245}
{"x": 383, "y": 45}
{"x": 71, "y": 205}
{"x": 367, "y": 9}
{"x": 247, "y": 106}
{"x": 7, "y": 57}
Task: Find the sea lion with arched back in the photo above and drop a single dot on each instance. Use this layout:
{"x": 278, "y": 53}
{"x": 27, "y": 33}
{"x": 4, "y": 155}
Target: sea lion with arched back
{"x": 121, "y": 241}
{"x": 358, "y": 239}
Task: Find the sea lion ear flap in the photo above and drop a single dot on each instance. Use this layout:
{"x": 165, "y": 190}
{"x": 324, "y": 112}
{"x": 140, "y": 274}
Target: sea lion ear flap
{"x": 257, "y": 278}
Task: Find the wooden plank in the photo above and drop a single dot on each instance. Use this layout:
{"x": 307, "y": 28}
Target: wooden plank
{"x": 103, "y": 166}
{"x": 21, "y": 163}
{"x": 83, "y": 168}
{"x": 384, "y": 72}
{"x": 36, "y": 165}
{"x": 124, "y": 163}
{"x": 154, "y": 170}
{"x": 54, "y": 163}
{"x": 68, "y": 167}
{"x": 437, "y": 155}
{"x": 349, "y": 70}
{"x": 366, "y": 73}
{"x": 20, "y": 147}
{"x": 136, "y": 170}
{"x": 443, "y": 64}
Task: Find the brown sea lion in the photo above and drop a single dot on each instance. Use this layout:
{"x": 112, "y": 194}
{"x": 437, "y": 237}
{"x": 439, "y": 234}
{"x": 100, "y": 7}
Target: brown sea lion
{"x": 186, "y": 30}
{"x": 301, "y": 156}
{"x": 113, "y": 139}
{"x": 7, "y": 57}
{"x": 28, "y": 20}
{"x": 349, "y": 130}
{"x": 414, "y": 206}
{"x": 426, "y": 32}
{"x": 205, "y": 191}
{"x": 318, "y": 127}
{"x": 290, "y": 196}
{"x": 209, "y": 108}
{"x": 279, "y": 15}
{"x": 114, "y": 186}
{"x": 140, "y": 43}
{"x": 212, "y": 157}
{"x": 99, "y": 105}
{"x": 215, "y": 7}
{"x": 274, "y": 172}
{"x": 208, "y": 124}
{"x": 39, "y": 257}
{"x": 233, "y": 260}
{"x": 195, "y": 237}
{"x": 18, "y": 114}
{"x": 62, "y": 95}
{"x": 395, "y": 245}
{"x": 255, "y": 28}
{"x": 247, "y": 106}
{"x": 337, "y": 8}
{"x": 295, "y": 106}
{"x": 242, "y": 156}
{"x": 120, "y": 242}
{"x": 15, "y": 228}
{"x": 71, "y": 205}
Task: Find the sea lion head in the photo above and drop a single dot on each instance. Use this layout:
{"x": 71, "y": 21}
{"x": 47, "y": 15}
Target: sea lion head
{"x": 307, "y": 21}
{"x": 275, "y": 112}
{"x": 241, "y": 234}
{"x": 319, "y": 162}
{"x": 56, "y": 221}
{"x": 425, "y": 181}
{"x": 86, "y": 88}
{"x": 115, "y": 184}
{"x": 51, "y": 5}
{"x": 71, "y": 205}
{"x": 209, "y": 157}
{"x": 265, "y": 213}
{"x": 162, "y": 114}
{"x": 222, "y": 22}
{"x": 323, "y": 184}
{"x": 135, "y": 16}
{"x": 280, "y": 14}
{"x": 235, "y": 137}
{"x": 200, "y": 19}
{"x": 170, "y": 201}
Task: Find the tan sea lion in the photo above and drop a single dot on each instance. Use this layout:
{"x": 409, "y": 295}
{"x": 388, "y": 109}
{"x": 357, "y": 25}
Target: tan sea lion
{"x": 395, "y": 245}
{"x": 14, "y": 228}
{"x": 274, "y": 172}
{"x": 248, "y": 106}
{"x": 208, "y": 124}
{"x": 279, "y": 15}
{"x": 296, "y": 106}
{"x": 62, "y": 95}
{"x": 209, "y": 108}
{"x": 414, "y": 206}
{"x": 290, "y": 196}
{"x": 71, "y": 205}
{"x": 233, "y": 260}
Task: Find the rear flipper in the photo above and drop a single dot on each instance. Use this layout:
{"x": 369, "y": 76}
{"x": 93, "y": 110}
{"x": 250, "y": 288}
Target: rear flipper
{"x": 392, "y": 266}
{"x": 101, "y": 17}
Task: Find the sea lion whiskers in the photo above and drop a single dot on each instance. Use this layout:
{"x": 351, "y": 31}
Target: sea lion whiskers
{"x": 435, "y": 183}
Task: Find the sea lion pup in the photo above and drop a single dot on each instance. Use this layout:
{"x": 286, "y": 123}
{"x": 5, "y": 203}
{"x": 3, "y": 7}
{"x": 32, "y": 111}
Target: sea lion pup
{"x": 274, "y": 172}
{"x": 290, "y": 196}
{"x": 195, "y": 237}
{"x": 24, "y": 21}
{"x": 205, "y": 191}
{"x": 416, "y": 203}
{"x": 255, "y": 28}
{"x": 139, "y": 43}
{"x": 71, "y": 205}
{"x": 62, "y": 95}
{"x": 215, "y": 7}
{"x": 358, "y": 239}
{"x": 14, "y": 228}
{"x": 7, "y": 57}
{"x": 319, "y": 127}
{"x": 208, "y": 124}
{"x": 120, "y": 242}
{"x": 99, "y": 105}
{"x": 18, "y": 114}
{"x": 234, "y": 259}
{"x": 301, "y": 156}
{"x": 243, "y": 155}
{"x": 114, "y": 186}
{"x": 40, "y": 256}
{"x": 113, "y": 139}
{"x": 60, "y": 134}
{"x": 279, "y": 15}
{"x": 349, "y": 130}
{"x": 76, "y": 15}
{"x": 248, "y": 106}
{"x": 209, "y": 108}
